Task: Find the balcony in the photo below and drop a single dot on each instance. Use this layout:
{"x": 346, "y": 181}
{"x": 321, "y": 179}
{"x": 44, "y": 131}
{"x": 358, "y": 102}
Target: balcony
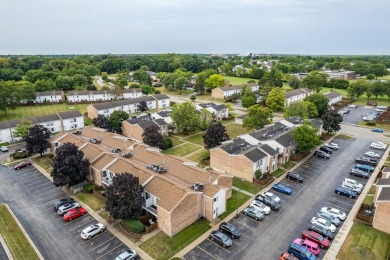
{"x": 107, "y": 181}
{"x": 152, "y": 209}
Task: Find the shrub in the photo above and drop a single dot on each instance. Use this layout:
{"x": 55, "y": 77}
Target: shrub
{"x": 89, "y": 187}
{"x": 258, "y": 174}
{"x": 166, "y": 143}
{"x": 371, "y": 123}
{"x": 134, "y": 225}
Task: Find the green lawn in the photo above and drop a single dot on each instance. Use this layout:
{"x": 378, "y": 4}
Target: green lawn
{"x": 89, "y": 199}
{"x": 43, "y": 162}
{"x": 370, "y": 196}
{"x": 14, "y": 238}
{"x": 199, "y": 156}
{"x": 343, "y": 136}
{"x": 237, "y": 80}
{"x": 278, "y": 172}
{"x": 163, "y": 247}
{"x": 246, "y": 185}
{"x": 234, "y": 130}
{"x": 288, "y": 165}
{"x": 176, "y": 141}
{"x": 196, "y": 139}
{"x": 182, "y": 150}
{"x": 33, "y": 111}
{"x": 382, "y": 101}
{"x": 365, "y": 243}
{"x": 235, "y": 201}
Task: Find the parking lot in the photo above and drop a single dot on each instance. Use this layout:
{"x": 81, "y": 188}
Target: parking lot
{"x": 31, "y": 196}
{"x": 268, "y": 238}
{"x": 356, "y": 114}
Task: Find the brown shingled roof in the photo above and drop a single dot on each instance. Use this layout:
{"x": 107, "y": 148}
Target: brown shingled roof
{"x": 103, "y": 161}
{"x": 122, "y": 165}
{"x": 91, "y": 151}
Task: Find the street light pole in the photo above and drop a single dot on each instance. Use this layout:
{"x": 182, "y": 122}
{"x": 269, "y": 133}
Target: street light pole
{"x": 238, "y": 201}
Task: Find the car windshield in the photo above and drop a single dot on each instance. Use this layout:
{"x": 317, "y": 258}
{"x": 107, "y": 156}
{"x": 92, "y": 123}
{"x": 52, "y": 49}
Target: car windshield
{"x": 320, "y": 238}
{"x": 231, "y": 227}
{"x": 282, "y": 186}
{"x": 308, "y": 254}
{"x": 223, "y": 237}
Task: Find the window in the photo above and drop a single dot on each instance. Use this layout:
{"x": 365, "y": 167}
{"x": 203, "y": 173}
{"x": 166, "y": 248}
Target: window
{"x": 147, "y": 195}
{"x": 216, "y": 199}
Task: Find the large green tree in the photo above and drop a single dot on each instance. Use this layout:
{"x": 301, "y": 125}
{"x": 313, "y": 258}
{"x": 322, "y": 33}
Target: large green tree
{"x": 215, "y": 135}
{"x": 214, "y": 81}
{"x": 297, "y": 108}
{"x": 258, "y": 117}
{"x": 275, "y": 99}
{"x": 116, "y": 119}
{"x": 185, "y": 116}
{"x": 305, "y": 136}
{"x": 315, "y": 81}
{"x": 22, "y": 129}
{"x": 37, "y": 140}
{"x": 320, "y": 101}
{"x": 331, "y": 121}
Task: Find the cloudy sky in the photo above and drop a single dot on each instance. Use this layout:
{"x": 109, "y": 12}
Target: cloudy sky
{"x": 195, "y": 26}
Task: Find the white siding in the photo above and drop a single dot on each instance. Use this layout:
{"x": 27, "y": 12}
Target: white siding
{"x": 219, "y": 205}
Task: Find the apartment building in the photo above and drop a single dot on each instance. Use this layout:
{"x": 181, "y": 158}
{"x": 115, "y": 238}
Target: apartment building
{"x": 219, "y": 111}
{"x": 333, "y": 97}
{"x": 135, "y": 127}
{"x": 90, "y": 96}
{"x": 130, "y": 93}
{"x": 53, "y": 96}
{"x": 224, "y": 92}
{"x": 296, "y": 95}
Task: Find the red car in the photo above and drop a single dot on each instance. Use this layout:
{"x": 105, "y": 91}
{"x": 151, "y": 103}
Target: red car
{"x": 74, "y": 213}
{"x": 322, "y": 241}
{"x": 22, "y": 165}
{"x": 287, "y": 256}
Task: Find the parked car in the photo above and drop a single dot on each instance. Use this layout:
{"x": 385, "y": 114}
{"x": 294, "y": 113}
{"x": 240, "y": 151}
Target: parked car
{"x": 22, "y": 165}
{"x": 294, "y": 176}
{"x": 369, "y": 161}
{"x": 229, "y": 229}
{"x": 92, "y": 230}
{"x": 282, "y": 188}
{"x": 325, "y": 215}
{"x": 333, "y": 146}
{"x": 253, "y": 213}
{"x": 382, "y": 107}
{"x": 353, "y": 182}
{"x": 61, "y": 202}
{"x": 322, "y": 241}
{"x": 352, "y": 187}
{"x": 261, "y": 206}
{"x": 345, "y": 192}
{"x": 220, "y": 238}
{"x": 326, "y": 149}
{"x": 310, "y": 245}
{"x": 322, "y": 154}
{"x": 335, "y": 212}
{"x": 345, "y": 110}
{"x": 74, "y": 213}
{"x": 129, "y": 254}
{"x": 359, "y": 173}
{"x": 377, "y": 130}
{"x": 372, "y": 154}
{"x": 271, "y": 195}
{"x": 352, "y": 105}
{"x": 274, "y": 205}
{"x": 287, "y": 256}
{"x": 322, "y": 231}
{"x": 66, "y": 207}
{"x": 323, "y": 223}
{"x": 4, "y": 148}
{"x": 364, "y": 167}
{"x": 301, "y": 252}
{"x": 378, "y": 145}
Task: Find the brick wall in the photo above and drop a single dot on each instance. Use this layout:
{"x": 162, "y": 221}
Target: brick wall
{"x": 237, "y": 165}
{"x": 92, "y": 112}
{"x": 226, "y": 181}
{"x": 184, "y": 214}
{"x": 164, "y": 220}
{"x": 132, "y": 131}
{"x": 208, "y": 204}
{"x": 381, "y": 218}
{"x": 217, "y": 93}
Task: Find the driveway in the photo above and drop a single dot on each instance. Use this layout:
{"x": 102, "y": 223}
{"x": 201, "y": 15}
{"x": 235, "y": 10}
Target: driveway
{"x": 268, "y": 238}
{"x": 31, "y": 196}
{"x": 356, "y": 115}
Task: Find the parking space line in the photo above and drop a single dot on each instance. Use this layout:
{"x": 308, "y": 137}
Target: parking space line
{"x": 235, "y": 242}
{"x": 102, "y": 244}
{"x": 33, "y": 183}
{"x": 98, "y": 235}
{"x": 109, "y": 251}
{"x": 337, "y": 206}
{"x": 82, "y": 224}
{"x": 76, "y": 219}
{"x": 35, "y": 187}
{"x": 354, "y": 201}
{"x": 220, "y": 246}
{"x": 242, "y": 224}
{"x": 206, "y": 252}
{"x": 251, "y": 218}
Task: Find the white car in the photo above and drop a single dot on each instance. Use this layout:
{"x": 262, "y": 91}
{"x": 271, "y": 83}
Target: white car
{"x": 92, "y": 230}
{"x": 382, "y": 107}
{"x": 261, "y": 207}
{"x": 127, "y": 255}
{"x": 335, "y": 212}
{"x": 352, "y": 105}
{"x": 353, "y": 182}
{"x": 324, "y": 223}
{"x": 271, "y": 195}
{"x": 65, "y": 208}
{"x": 333, "y": 146}
{"x": 378, "y": 145}
{"x": 351, "y": 187}
{"x": 4, "y": 148}
{"x": 372, "y": 154}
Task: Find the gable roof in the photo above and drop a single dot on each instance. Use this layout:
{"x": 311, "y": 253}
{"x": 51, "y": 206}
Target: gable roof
{"x": 292, "y": 93}
{"x": 124, "y": 102}
{"x": 220, "y": 107}
{"x": 255, "y": 154}
{"x": 145, "y": 124}
{"x": 285, "y": 139}
{"x": 383, "y": 182}
{"x": 160, "y": 96}
{"x": 48, "y": 93}
{"x": 332, "y": 94}
{"x": 90, "y": 92}
{"x": 384, "y": 195}
{"x": 166, "y": 113}
{"x": 268, "y": 149}
{"x": 131, "y": 90}
{"x": 69, "y": 114}
{"x": 206, "y": 105}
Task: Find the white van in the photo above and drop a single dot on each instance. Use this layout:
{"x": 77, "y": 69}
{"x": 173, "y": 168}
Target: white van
{"x": 352, "y": 187}
{"x": 353, "y": 182}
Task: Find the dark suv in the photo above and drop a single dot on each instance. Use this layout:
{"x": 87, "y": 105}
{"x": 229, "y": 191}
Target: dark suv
{"x": 230, "y": 230}
{"x": 321, "y": 154}
{"x": 294, "y": 177}
{"x": 368, "y": 161}
{"x": 62, "y": 202}
{"x": 274, "y": 205}
{"x": 326, "y": 149}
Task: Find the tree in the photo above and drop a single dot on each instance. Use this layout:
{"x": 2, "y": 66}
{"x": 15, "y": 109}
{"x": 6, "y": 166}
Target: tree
{"x": 44, "y": 85}
{"x": 331, "y": 121}
{"x": 124, "y": 197}
{"x": 116, "y": 119}
{"x": 205, "y": 119}
{"x": 370, "y": 76}
{"x": 297, "y": 108}
{"x": 320, "y": 101}
{"x": 230, "y": 107}
{"x": 215, "y": 135}
{"x": 379, "y": 70}
{"x": 142, "y": 106}
{"x": 214, "y": 81}
{"x": 294, "y": 82}
{"x": 101, "y": 121}
{"x": 311, "y": 109}
{"x": 275, "y": 99}
{"x": 151, "y": 136}
{"x": 315, "y": 81}
{"x": 193, "y": 98}
{"x": 142, "y": 77}
{"x": 37, "y": 140}
{"x": 22, "y": 129}
{"x": 70, "y": 166}
{"x": 185, "y": 116}
{"x": 201, "y": 80}
{"x": 169, "y": 80}
{"x": 359, "y": 87}
{"x": 258, "y": 117}
{"x": 166, "y": 143}
{"x": 369, "y": 91}
{"x": 104, "y": 75}
{"x": 338, "y": 83}
{"x": 65, "y": 83}
{"x": 248, "y": 101}
{"x": 306, "y": 136}
{"x": 180, "y": 83}
{"x": 233, "y": 97}
{"x": 378, "y": 88}
{"x": 9, "y": 96}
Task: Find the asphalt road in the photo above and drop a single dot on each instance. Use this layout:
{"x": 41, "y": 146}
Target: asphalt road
{"x": 356, "y": 114}
{"x": 3, "y": 255}
{"x": 268, "y": 238}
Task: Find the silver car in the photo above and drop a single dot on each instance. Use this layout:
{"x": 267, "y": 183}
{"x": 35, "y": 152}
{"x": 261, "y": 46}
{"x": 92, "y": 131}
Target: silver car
{"x": 92, "y": 230}
{"x": 127, "y": 255}
{"x": 65, "y": 208}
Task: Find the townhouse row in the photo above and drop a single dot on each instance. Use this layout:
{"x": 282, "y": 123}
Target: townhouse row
{"x": 176, "y": 192}
{"x": 227, "y": 91}
{"x": 63, "y": 121}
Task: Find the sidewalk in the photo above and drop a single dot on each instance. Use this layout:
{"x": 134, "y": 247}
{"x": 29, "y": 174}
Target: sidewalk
{"x": 110, "y": 227}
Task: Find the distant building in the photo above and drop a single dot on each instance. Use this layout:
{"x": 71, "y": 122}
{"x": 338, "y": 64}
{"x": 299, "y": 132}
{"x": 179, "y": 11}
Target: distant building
{"x": 296, "y": 95}
{"x": 90, "y": 96}
{"x": 53, "y": 96}
{"x": 347, "y": 75}
{"x": 224, "y": 92}
{"x": 135, "y": 127}
{"x": 219, "y": 111}
{"x": 333, "y": 97}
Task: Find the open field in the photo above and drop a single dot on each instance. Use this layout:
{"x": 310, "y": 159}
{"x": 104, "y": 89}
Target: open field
{"x": 33, "y": 111}
{"x": 362, "y": 100}
{"x": 234, "y": 130}
{"x": 14, "y": 238}
{"x": 365, "y": 243}
{"x": 237, "y": 80}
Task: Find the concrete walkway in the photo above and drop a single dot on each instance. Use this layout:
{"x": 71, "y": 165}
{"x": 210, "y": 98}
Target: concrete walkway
{"x": 244, "y": 191}
{"x": 347, "y": 225}
{"x": 6, "y": 249}
{"x": 110, "y": 227}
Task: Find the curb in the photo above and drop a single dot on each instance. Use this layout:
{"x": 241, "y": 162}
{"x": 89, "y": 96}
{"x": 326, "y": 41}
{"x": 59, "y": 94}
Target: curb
{"x": 6, "y": 249}
{"x": 24, "y": 232}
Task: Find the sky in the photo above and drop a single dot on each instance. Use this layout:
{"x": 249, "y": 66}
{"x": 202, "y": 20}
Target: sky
{"x": 316, "y": 27}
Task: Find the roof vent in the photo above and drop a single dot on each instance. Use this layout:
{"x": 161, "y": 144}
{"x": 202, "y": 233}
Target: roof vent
{"x": 157, "y": 168}
{"x": 77, "y": 132}
{"x": 116, "y": 150}
{"x": 127, "y": 155}
{"x": 197, "y": 186}
{"x": 95, "y": 140}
